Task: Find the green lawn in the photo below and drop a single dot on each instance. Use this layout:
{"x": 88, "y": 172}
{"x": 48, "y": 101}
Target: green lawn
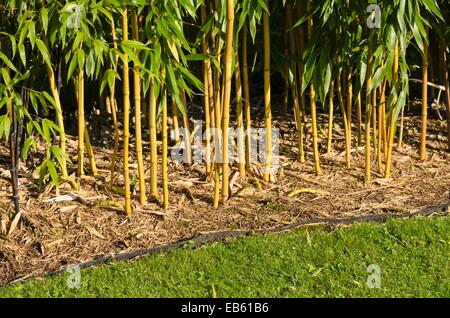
{"x": 413, "y": 256}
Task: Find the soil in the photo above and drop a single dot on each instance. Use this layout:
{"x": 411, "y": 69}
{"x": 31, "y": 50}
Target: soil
{"x": 59, "y": 227}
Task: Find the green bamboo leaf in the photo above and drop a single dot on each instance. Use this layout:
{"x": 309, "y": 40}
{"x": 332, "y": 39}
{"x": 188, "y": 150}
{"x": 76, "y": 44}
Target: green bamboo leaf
{"x": 309, "y": 70}
{"x": 38, "y": 128}
{"x": 23, "y": 31}
{"x": 80, "y": 58}
{"x": 252, "y": 28}
{"x": 108, "y": 79}
{"x": 5, "y": 126}
{"x": 29, "y": 128}
{"x": 42, "y": 173}
{"x": 29, "y": 142}
{"x": 90, "y": 64}
{"x": 417, "y": 36}
{"x": 133, "y": 44}
{"x": 400, "y": 103}
{"x": 379, "y": 75}
{"x": 49, "y": 98}
{"x": 327, "y": 80}
{"x": 173, "y": 86}
{"x": 72, "y": 67}
{"x": 196, "y": 57}
{"x": 44, "y": 19}
{"x": 363, "y": 71}
{"x": 44, "y": 52}
{"x": 34, "y": 102}
{"x": 59, "y": 155}
{"x": 6, "y": 77}
{"x": 8, "y": 63}
{"x": 22, "y": 53}
{"x": 432, "y": 7}
{"x": 46, "y": 131}
{"x": 32, "y": 33}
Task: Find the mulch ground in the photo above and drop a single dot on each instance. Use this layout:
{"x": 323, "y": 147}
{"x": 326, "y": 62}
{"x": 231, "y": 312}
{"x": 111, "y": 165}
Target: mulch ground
{"x": 58, "y": 228}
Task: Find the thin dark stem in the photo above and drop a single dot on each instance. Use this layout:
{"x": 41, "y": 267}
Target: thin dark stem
{"x": 14, "y": 150}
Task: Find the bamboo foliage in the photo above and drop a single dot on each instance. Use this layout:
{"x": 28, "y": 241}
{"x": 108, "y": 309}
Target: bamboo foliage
{"x": 328, "y": 52}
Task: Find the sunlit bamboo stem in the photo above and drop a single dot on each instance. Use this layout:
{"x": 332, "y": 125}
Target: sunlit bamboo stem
{"x": 126, "y": 115}
{"x": 312, "y": 99}
{"x": 246, "y": 91}
{"x": 137, "y": 115}
{"x": 165, "y": 178}
{"x": 153, "y": 141}
{"x": 81, "y": 123}
{"x": 330, "y": 117}
{"x": 423, "y": 134}
{"x": 391, "y": 129}
{"x": 226, "y": 98}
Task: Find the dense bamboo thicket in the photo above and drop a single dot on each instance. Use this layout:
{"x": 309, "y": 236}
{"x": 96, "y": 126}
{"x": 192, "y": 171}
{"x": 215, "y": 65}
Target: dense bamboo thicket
{"x": 129, "y": 60}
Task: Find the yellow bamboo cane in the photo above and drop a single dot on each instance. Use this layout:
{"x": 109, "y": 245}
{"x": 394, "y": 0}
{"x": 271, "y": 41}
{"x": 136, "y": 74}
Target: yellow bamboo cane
{"x": 313, "y": 105}
{"x": 176, "y": 125}
{"x": 300, "y": 45}
{"x": 58, "y": 111}
{"x": 383, "y": 118}
{"x": 367, "y": 176}
{"x": 344, "y": 116}
{"x": 391, "y": 130}
{"x": 113, "y": 107}
{"x": 295, "y": 89}
{"x": 153, "y": 142}
{"x": 226, "y": 98}
{"x": 348, "y": 139}
{"x": 246, "y": 91}
{"x": 187, "y": 138}
{"x": 90, "y": 150}
{"x": 81, "y": 122}
{"x": 349, "y": 103}
{"x": 330, "y": 117}
{"x": 164, "y": 163}
{"x": 359, "y": 115}
{"x": 239, "y": 116}
{"x": 206, "y": 96}
{"x": 402, "y": 120}
{"x": 380, "y": 135}
{"x": 137, "y": 115}
{"x": 374, "y": 122}
{"x": 267, "y": 96}
{"x": 59, "y": 115}
{"x": 85, "y": 131}
{"x": 218, "y": 121}
{"x": 423, "y": 134}
{"x": 126, "y": 115}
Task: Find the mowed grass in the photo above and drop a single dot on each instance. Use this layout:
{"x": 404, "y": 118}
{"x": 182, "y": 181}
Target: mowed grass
{"x": 413, "y": 257}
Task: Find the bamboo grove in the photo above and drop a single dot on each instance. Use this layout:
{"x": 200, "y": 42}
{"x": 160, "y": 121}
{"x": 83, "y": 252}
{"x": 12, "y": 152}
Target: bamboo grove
{"x": 142, "y": 63}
